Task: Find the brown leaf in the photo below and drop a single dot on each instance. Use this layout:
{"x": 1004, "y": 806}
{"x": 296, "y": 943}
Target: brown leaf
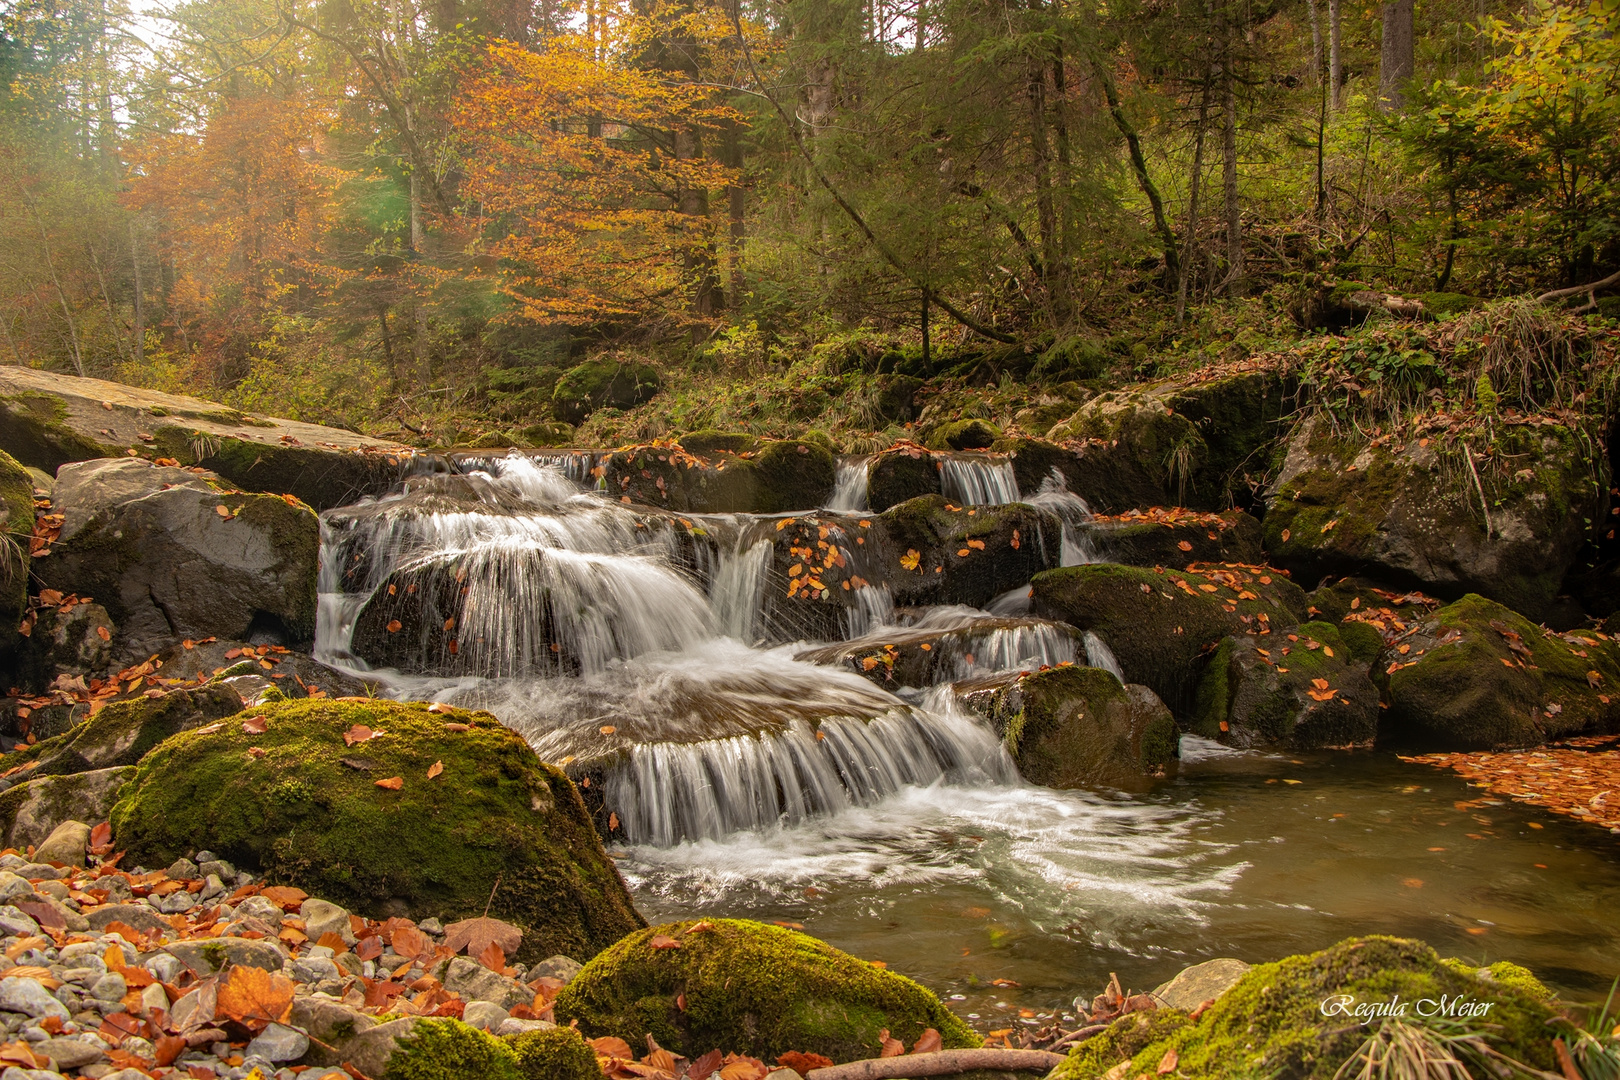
{"x": 393, "y": 626}
{"x": 166, "y": 1049}
{"x": 473, "y": 936}
{"x": 700, "y": 927}
{"x": 411, "y": 942}
{"x": 891, "y": 1047}
{"x": 1184, "y": 546}
{"x": 613, "y": 1047}
{"x": 1168, "y": 1063}
{"x": 928, "y": 1042}
{"x": 743, "y": 1068}
{"x": 393, "y": 783}
{"x": 435, "y": 769}
{"x": 658, "y": 1057}
{"x": 802, "y": 1062}
{"x": 285, "y": 897}
{"x": 222, "y": 510}
{"x": 663, "y": 941}
{"x": 254, "y": 997}
{"x": 492, "y": 957}
{"x": 256, "y": 725}
{"x": 359, "y": 733}
{"x": 705, "y": 1066}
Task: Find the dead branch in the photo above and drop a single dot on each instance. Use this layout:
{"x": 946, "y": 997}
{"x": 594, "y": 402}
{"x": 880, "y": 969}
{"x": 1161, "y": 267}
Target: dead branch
{"x": 1591, "y": 291}
{"x": 940, "y": 1063}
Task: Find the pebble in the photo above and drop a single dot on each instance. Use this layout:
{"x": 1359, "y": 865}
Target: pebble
{"x": 279, "y": 1043}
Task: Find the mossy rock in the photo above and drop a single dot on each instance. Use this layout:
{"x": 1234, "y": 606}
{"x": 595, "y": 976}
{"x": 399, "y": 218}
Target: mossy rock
{"x": 602, "y": 383}
{"x": 122, "y": 733}
{"x": 1232, "y": 537}
{"x": 898, "y": 476}
{"x": 1410, "y": 515}
{"x": 1192, "y": 440}
{"x": 1264, "y": 692}
{"x": 1478, "y": 676}
{"x": 793, "y": 475}
{"x": 1443, "y": 305}
{"x": 1034, "y": 462}
{"x": 558, "y": 1054}
{"x": 16, "y": 525}
{"x": 750, "y": 989}
{"x": 35, "y": 432}
{"x": 450, "y": 1050}
{"x": 322, "y": 477}
{"x": 1077, "y": 727}
{"x": 547, "y": 433}
{"x": 710, "y": 441}
{"x": 307, "y": 812}
{"x": 31, "y": 811}
{"x": 896, "y": 399}
{"x": 1271, "y": 1023}
{"x": 925, "y": 656}
{"x": 967, "y": 434}
{"x": 770, "y": 477}
{"x": 964, "y": 555}
{"x": 1162, "y": 624}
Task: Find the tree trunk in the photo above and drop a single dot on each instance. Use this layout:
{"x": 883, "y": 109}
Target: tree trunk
{"x": 1041, "y": 167}
{"x": 922, "y": 24}
{"x": 1316, "y": 41}
{"x": 736, "y": 207}
{"x": 138, "y": 330}
{"x": 1335, "y": 73}
{"x": 1235, "y": 283}
{"x": 1133, "y": 143}
{"x": 707, "y": 297}
{"x": 1395, "y": 63}
{"x": 1192, "y": 204}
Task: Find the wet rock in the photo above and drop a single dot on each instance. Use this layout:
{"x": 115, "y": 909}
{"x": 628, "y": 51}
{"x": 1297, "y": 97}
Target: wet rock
{"x": 1199, "y": 983}
{"x": 1190, "y": 440}
{"x": 1077, "y": 727}
{"x": 426, "y": 848}
{"x": 964, "y": 555}
{"x": 1302, "y": 690}
{"x": 897, "y": 398}
{"x": 48, "y": 419}
{"x": 899, "y": 475}
{"x": 948, "y": 646}
{"x": 770, "y": 477}
{"x": 149, "y": 542}
{"x": 760, "y": 990}
{"x": 1476, "y": 676}
{"x": 561, "y": 968}
{"x": 339, "y": 1033}
{"x": 1176, "y": 538}
{"x": 1036, "y": 461}
{"x": 1161, "y": 625}
{"x": 602, "y": 383}
{"x": 121, "y": 733}
{"x": 65, "y": 844}
{"x": 1409, "y": 514}
{"x": 33, "y": 810}
{"x": 294, "y": 674}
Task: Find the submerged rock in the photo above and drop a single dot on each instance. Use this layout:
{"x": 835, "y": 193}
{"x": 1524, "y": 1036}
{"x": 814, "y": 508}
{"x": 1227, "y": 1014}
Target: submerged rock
{"x": 1477, "y": 676}
{"x": 175, "y": 554}
{"x": 1077, "y": 727}
{"x": 1303, "y": 690}
{"x": 752, "y": 989}
{"x": 1272, "y": 1023}
{"x": 1160, "y": 625}
{"x": 1410, "y": 514}
{"x": 306, "y": 809}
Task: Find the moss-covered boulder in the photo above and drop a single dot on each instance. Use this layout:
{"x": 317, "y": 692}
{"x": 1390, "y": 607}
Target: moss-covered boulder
{"x": 936, "y": 553}
{"x": 1077, "y": 727}
{"x": 605, "y": 382}
{"x": 1303, "y": 690}
{"x": 1161, "y": 624}
{"x": 969, "y": 434}
{"x": 74, "y": 640}
{"x": 749, "y": 989}
{"x": 175, "y": 554}
{"x": 760, "y": 477}
{"x": 1035, "y": 462}
{"x": 16, "y": 525}
{"x": 123, "y": 732}
{"x": 1176, "y": 537}
{"x": 899, "y": 475}
{"x": 301, "y": 805}
{"x": 1409, "y": 514}
{"x": 1476, "y": 676}
{"x": 1191, "y": 440}
{"x": 48, "y": 419}
{"x": 451, "y": 1050}
{"x": 1280, "y": 1020}
{"x": 711, "y": 441}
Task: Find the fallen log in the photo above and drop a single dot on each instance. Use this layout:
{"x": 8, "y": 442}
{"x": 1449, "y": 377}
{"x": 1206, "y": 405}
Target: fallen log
{"x": 940, "y": 1063}
{"x": 1591, "y": 291}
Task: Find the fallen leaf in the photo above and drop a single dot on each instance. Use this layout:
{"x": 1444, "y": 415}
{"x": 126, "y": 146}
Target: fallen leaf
{"x": 889, "y": 1047}
{"x": 359, "y": 733}
{"x": 706, "y": 1066}
{"x": 613, "y": 1047}
{"x": 435, "y": 769}
{"x": 254, "y": 997}
{"x": 928, "y": 1042}
{"x": 473, "y": 936}
{"x": 663, "y": 941}
{"x": 222, "y": 510}
{"x": 493, "y": 957}
{"x": 1168, "y": 1063}
{"x": 1184, "y": 546}
{"x": 392, "y": 783}
{"x": 255, "y": 725}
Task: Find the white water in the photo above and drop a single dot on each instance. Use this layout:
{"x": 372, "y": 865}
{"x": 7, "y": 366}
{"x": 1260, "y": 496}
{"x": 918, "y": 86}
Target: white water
{"x": 978, "y": 481}
{"x": 849, "y": 492}
{"x": 1054, "y": 495}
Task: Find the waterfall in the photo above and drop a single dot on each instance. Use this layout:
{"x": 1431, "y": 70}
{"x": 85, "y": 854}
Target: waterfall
{"x": 736, "y": 589}
{"x": 978, "y": 481}
{"x": 849, "y": 493}
{"x": 1099, "y": 655}
{"x": 1071, "y": 509}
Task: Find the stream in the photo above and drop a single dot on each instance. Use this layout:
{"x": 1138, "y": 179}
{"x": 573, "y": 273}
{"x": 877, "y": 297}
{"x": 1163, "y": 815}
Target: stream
{"x": 639, "y": 650}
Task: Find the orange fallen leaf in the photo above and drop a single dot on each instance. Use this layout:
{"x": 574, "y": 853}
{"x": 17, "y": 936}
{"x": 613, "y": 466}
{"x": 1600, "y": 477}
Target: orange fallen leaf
{"x": 255, "y": 725}
{"x": 393, "y": 783}
{"x": 435, "y": 769}
{"x": 393, "y": 626}
{"x": 663, "y": 941}
{"x": 358, "y": 733}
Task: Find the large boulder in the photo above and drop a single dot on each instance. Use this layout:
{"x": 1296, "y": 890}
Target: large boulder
{"x": 121, "y": 733}
{"x": 1191, "y": 440}
{"x": 32, "y": 810}
{"x": 49, "y": 419}
{"x": 16, "y": 525}
{"x": 300, "y": 804}
{"x": 899, "y": 474}
{"x": 1161, "y": 624}
{"x": 602, "y": 383}
{"x": 750, "y": 989}
{"x": 1284, "y": 1020}
{"x": 1409, "y": 513}
{"x": 1077, "y": 727}
{"x": 172, "y": 553}
{"x": 1476, "y": 676}
{"x": 1176, "y": 537}
{"x": 956, "y": 555}
{"x": 1302, "y": 690}
{"x": 759, "y": 476}
{"x": 71, "y": 639}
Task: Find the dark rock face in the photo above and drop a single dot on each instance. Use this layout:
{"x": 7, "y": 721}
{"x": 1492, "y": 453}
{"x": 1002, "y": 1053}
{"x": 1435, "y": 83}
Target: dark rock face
{"x": 603, "y": 383}
{"x": 965, "y": 555}
{"x": 970, "y": 434}
{"x": 1302, "y": 690}
{"x": 1077, "y": 727}
{"x": 1410, "y": 515}
{"x": 1178, "y": 538}
{"x": 1477, "y": 676}
{"x": 1161, "y": 626}
{"x": 944, "y": 649}
{"x": 121, "y": 733}
{"x": 758, "y": 476}
{"x": 16, "y": 523}
{"x": 152, "y": 545}
{"x": 897, "y": 476}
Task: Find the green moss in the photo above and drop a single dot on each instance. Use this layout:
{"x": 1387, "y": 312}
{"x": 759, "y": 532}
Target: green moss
{"x": 968, "y": 434}
{"x": 709, "y": 441}
{"x": 1363, "y": 642}
{"x": 35, "y": 432}
{"x": 602, "y": 383}
{"x": 1267, "y": 691}
{"x": 124, "y": 732}
{"x": 307, "y": 812}
{"x": 547, "y": 433}
{"x": 558, "y": 1054}
{"x": 321, "y": 477}
{"x": 16, "y": 524}
{"x": 793, "y": 476}
{"x": 967, "y": 555}
{"x": 750, "y": 989}
{"x": 1271, "y": 1024}
{"x": 1123, "y": 1040}
{"x": 1078, "y": 727}
{"x": 451, "y": 1050}
{"x": 900, "y": 476}
{"x": 1443, "y": 305}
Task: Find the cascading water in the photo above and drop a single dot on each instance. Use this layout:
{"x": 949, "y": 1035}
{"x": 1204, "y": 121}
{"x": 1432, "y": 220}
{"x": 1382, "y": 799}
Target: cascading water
{"x": 978, "y": 481}
{"x": 849, "y": 492}
{"x": 1071, "y": 509}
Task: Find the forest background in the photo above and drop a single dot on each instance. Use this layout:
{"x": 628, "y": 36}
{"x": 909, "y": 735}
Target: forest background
{"x": 414, "y": 218}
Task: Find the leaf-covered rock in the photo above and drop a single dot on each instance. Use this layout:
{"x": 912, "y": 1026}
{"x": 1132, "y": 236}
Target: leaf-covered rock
{"x": 1303, "y": 690}
{"x": 122, "y": 733}
{"x": 965, "y": 555}
{"x": 750, "y": 989}
{"x": 302, "y": 805}
{"x": 899, "y": 475}
{"x": 1176, "y": 537}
